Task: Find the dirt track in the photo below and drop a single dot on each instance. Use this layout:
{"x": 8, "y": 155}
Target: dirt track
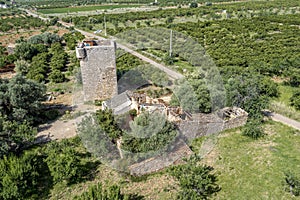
{"x": 64, "y": 128}
{"x": 285, "y": 120}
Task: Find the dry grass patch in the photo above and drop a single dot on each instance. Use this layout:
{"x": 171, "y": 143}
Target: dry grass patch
{"x": 158, "y": 186}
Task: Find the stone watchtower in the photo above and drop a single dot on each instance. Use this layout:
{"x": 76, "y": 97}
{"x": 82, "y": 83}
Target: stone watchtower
{"x": 98, "y": 69}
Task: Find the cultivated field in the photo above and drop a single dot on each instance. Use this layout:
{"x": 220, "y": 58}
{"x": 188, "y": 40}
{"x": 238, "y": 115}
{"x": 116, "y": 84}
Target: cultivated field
{"x": 85, "y": 8}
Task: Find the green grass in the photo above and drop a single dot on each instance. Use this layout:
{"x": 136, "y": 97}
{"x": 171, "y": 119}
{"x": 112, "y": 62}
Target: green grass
{"x": 65, "y": 87}
{"x": 286, "y": 93}
{"x": 84, "y": 8}
{"x": 254, "y": 169}
{"x": 281, "y": 104}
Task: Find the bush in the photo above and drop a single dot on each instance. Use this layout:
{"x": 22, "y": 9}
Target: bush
{"x": 196, "y": 181}
{"x": 292, "y": 184}
{"x": 193, "y": 5}
{"x": 57, "y": 76}
{"x": 295, "y": 100}
{"x": 133, "y": 112}
{"x": 253, "y": 129}
{"x": 18, "y": 176}
{"x": 63, "y": 161}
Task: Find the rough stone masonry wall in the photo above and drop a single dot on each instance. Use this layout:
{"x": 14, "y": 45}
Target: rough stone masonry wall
{"x": 154, "y": 164}
{"x": 205, "y": 125}
{"x": 98, "y": 71}
{"x": 236, "y": 122}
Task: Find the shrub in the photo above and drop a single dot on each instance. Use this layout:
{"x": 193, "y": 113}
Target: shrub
{"x": 63, "y": 161}
{"x": 193, "y": 5}
{"x": 253, "y": 129}
{"x": 196, "y": 181}
{"x": 18, "y": 176}
{"x": 57, "y": 76}
{"x": 292, "y": 184}
{"x": 295, "y": 100}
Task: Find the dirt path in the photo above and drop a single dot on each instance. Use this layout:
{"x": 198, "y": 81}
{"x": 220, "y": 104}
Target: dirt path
{"x": 285, "y": 120}
{"x": 64, "y": 128}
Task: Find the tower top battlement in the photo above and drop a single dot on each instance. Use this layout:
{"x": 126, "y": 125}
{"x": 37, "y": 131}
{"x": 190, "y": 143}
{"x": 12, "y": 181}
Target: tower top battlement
{"x": 96, "y": 43}
{"x": 91, "y": 44}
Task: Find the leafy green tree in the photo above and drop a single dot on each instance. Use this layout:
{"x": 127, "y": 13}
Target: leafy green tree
{"x": 72, "y": 38}
{"x": 25, "y": 51}
{"x": 126, "y": 62}
{"x": 18, "y": 176}
{"x": 2, "y": 62}
{"x": 169, "y": 20}
{"x": 15, "y": 135}
{"x": 155, "y": 75}
{"x": 22, "y": 67}
{"x": 56, "y": 48}
{"x": 149, "y": 132}
{"x": 202, "y": 93}
{"x": 41, "y": 48}
{"x": 192, "y": 95}
{"x": 268, "y": 87}
{"x": 58, "y": 60}
{"x": 53, "y": 21}
{"x": 70, "y": 41}
{"x": 21, "y": 99}
{"x": 39, "y": 67}
{"x": 44, "y": 38}
{"x": 96, "y": 140}
{"x": 169, "y": 60}
{"x": 63, "y": 161}
{"x": 196, "y": 181}
{"x": 57, "y": 76}
{"x": 20, "y": 103}
{"x": 174, "y": 101}
{"x": 250, "y": 92}
{"x": 295, "y": 99}
{"x": 9, "y": 59}
{"x": 108, "y": 124}
{"x": 2, "y": 49}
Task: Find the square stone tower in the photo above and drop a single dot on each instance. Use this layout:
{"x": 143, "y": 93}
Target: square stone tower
{"x": 98, "y": 69}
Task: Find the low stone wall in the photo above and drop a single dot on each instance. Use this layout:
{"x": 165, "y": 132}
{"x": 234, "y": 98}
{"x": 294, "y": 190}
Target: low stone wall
{"x": 194, "y": 129}
{"x": 158, "y": 163}
{"x": 201, "y": 124}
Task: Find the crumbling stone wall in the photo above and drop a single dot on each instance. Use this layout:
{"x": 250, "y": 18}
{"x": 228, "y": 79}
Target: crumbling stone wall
{"x": 206, "y": 124}
{"x": 98, "y": 70}
{"x": 154, "y": 164}
{"x": 236, "y": 122}
{"x": 233, "y": 117}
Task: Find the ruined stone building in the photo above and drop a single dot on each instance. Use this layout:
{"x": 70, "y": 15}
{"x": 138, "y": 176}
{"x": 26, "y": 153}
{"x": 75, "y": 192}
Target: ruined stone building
{"x": 98, "y": 69}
